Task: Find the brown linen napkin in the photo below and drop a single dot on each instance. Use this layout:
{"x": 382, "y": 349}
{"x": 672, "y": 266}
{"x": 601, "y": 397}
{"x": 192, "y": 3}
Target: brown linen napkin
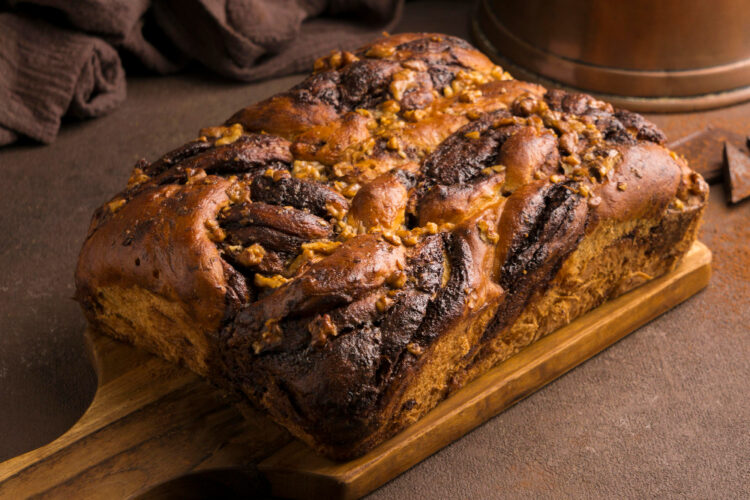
{"x": 69, "y": 66}
{"x": 121, "y": 23}
{"x": 46, "y": 72}
{"x": 254, "y": 39}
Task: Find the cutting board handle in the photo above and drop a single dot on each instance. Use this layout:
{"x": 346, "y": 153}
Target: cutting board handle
{"x": 150, "y": 422}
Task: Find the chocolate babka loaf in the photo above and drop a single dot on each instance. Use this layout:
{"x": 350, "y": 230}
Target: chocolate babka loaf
{"x": 351, "y": 251}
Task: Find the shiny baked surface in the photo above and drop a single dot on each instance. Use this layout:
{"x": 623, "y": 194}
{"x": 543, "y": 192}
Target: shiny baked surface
{"x": 317, "y": 246}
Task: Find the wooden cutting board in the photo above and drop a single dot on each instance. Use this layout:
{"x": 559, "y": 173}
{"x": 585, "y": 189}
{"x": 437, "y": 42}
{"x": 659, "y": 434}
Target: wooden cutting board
{"x": 155, "y": 428}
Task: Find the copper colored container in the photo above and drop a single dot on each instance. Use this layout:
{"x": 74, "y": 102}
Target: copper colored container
{"x": 655, "y": 55}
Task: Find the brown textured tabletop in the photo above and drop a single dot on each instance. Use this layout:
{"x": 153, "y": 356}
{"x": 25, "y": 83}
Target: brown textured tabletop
{"x": 664, "y": 412}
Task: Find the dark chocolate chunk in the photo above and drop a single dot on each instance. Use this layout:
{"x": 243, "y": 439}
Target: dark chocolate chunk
{"x": 288, "y": 220}
{"x": 736, "y": 173}
{"x": 553, "y": 222}
{"x": 175, "y": 156}
{"x": 318, "y": 88}
{"x": 449, "y": 301}
{"x": 463, "y": 155}
{"x": 298, "y": 193}
{"x": 365, "y": 83}
{"x": 704, "y": 150}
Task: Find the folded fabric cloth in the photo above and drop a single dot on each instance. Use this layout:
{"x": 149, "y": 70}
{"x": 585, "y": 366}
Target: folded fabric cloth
{"x": 254, "y": 39}
{"x": 46, "y": 72}
{"x": 58, "y": 57}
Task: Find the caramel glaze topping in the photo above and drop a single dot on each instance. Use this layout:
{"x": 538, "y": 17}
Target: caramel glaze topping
{"x": 395, "y": 190}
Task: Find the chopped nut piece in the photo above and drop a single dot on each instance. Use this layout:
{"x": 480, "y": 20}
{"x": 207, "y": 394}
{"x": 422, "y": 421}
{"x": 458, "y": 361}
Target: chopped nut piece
{"x": 215, "y": 232}
{"x": 238, "y": 193}
{"x": 335, "y": 211}
{"x": 571, "y": 160}
{"x": 281, "y": 174}
{"x": 594, "y": 201}
{"x": 568, "y": 142}
{"x": 408, "y": 238}
{"x": 252, "y": 255}
{"x": 495, "y": 169}
{"x": 470, "y": 95}
{"x": 525, "y": 104}
{"x": 270, "y": 334}
{"x": 311, "y": 170}
{"x": 230, "y": 134}
{"x": 390, "y": 106}
{"x": 276, "y": 175}
{"x": 474, "y": 134}
{"x": 578, "y": 171}
{"x": 312, "y": 252}
{"x": 137, "y": 177}
{"x": 115, "y": 205}
{"x": 391, "y": 237}
{"x": 536, "y": 122}
{"x": 320, "y": 328}
{"x": 488, "y": 233}
{"x": 415, "y": 115}
{"x": 342, "y": 169}
{"x": 381, "y": 51}
{"x": 351, "y": 190}
{"x": 335, "y": 59}
{"x": 346, "y": 231}
{"x": 274, "y": 281}
{"x": 326, "y": 247}
{"x": 397, "y": 279}
{"x": 502, "y": 122}
{"x": 383, "y": 303}
{"x": 414, "y": 348}
{"x": 498, "y": 74}
{"x": 349, "y": 57}
{"x": 415, "y": 64}
{"x": 195, "y": 175}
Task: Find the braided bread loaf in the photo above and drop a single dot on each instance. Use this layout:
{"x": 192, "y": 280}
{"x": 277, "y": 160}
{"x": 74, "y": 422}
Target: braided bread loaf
{"x": 351, "y": 251}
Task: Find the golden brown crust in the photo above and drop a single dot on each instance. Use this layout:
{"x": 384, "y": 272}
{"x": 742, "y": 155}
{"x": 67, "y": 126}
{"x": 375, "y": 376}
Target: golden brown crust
{"x": 158, "y": 243}
{"x": 350, "y": 251}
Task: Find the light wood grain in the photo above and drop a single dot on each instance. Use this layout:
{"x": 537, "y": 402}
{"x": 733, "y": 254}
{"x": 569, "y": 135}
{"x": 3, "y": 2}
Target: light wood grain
{"x": 152, "y": 422}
